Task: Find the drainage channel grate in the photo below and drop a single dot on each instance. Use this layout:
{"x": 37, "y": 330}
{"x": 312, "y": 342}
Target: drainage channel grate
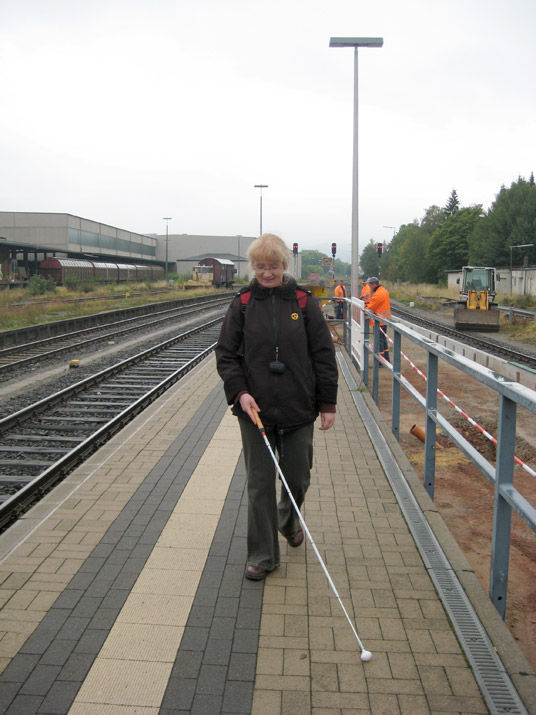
{"x": 494, "y": 682}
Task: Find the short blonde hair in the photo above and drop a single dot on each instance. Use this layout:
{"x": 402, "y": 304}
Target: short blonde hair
{"x": 269, "y": 248}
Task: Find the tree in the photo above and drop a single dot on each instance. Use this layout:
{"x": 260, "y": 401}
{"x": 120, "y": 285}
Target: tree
{"x": 413, "y": 253}
{"x": 412, "y": 246}
{"x": 510, "y": 221}
{"x": 369, "y": 261}
{"x": 448, "y": 248}
{"x": 453, "y": 204}
{"x": 311, "y": 262}
{"x": 433, "y": 218}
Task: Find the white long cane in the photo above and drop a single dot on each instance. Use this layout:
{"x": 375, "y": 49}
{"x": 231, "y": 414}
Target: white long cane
{"x": 366, "y": 655}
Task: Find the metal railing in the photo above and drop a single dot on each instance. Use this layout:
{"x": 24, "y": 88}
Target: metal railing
{"x": 511, "y": 395}
{"x": 511, "y": 312}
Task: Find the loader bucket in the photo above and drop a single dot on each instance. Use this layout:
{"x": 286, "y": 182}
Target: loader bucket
{"x": 485, "y": 320}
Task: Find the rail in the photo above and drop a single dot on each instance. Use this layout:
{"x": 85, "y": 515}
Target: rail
{"x": 97, "y": 407}
{"x": 511, "y": 395}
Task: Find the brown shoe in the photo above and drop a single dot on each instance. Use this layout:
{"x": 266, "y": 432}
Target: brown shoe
{"x": 256, "y": 573}
{"x": 297, "y": 540}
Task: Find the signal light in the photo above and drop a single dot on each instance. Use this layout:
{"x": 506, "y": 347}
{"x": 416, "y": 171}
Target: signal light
{"x": 295, "y": 249}
{"x": 380, "y": 249}
{"x": 333, "y": 249}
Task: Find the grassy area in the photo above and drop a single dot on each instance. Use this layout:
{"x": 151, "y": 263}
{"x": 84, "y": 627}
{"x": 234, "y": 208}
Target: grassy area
{"x": 408, "y": 292}
{"x": 19, "y": 309}
{"x": 522, "y": 330}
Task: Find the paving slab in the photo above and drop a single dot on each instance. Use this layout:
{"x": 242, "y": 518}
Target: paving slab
{"x": 126, "y": 593}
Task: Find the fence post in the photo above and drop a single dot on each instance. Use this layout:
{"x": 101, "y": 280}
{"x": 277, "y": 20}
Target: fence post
{"x": 502, "y": 513}
{"x": 395, "y": 411}
{"x": 376, "y": 363}
{"x": 430, "y": 438}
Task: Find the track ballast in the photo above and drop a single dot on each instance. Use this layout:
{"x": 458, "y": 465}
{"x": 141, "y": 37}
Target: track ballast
{"x": 43, "y": 442}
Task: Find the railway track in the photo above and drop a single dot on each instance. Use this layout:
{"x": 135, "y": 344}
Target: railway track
{"x": 43, "y": 442}
{"x": 17, "y": 356}
{"x": 489, "y": 345}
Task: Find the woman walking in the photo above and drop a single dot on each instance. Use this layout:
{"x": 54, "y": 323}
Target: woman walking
{"x": 275, "y": 356}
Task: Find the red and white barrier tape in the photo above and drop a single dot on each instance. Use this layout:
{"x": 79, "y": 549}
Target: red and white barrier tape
{"x": 471, "y": 421}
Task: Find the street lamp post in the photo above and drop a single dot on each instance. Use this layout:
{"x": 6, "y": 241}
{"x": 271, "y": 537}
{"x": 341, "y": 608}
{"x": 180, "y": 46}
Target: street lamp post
{"x": 355, "y": 42}
{"x": 522, "y": 245}
{"x": 167, "y": 219}
{"x": 261, "y": 187}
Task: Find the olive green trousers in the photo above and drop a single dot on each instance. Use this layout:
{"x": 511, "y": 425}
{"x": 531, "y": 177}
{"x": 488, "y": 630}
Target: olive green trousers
{"x": 294, "y": 451}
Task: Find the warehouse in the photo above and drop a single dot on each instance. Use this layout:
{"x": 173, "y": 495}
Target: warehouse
{"x": 27, "y": 238}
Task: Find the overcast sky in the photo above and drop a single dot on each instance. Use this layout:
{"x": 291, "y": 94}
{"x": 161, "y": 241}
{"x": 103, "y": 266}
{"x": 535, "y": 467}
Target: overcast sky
{"x": 126, "y": 111}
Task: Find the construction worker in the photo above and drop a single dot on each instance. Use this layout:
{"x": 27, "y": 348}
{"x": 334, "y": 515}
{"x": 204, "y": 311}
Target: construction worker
{"x": 365, "y": 292}
{"x": 380, "y": 304}
{"x": 340, "y": 292}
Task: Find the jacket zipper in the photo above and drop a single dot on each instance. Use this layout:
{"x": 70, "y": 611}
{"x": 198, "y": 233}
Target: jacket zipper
{"x": 276, "y": 382}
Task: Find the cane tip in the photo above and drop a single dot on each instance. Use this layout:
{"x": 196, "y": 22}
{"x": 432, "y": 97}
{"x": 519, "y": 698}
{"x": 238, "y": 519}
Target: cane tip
{"x": 366, "y": 655}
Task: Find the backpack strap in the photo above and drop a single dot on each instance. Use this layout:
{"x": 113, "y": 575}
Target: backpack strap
{"x": 244, "y": 300}
{"x": 301, "y": 297}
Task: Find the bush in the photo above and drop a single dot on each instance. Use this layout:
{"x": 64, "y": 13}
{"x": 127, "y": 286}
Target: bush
{"x": 72, "y": 283}
{"x": 37, "y": 285}
{"x": 88, "y": 286}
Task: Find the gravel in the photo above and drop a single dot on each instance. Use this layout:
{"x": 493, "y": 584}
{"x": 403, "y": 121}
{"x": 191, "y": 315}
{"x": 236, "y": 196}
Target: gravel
{"x": 28, "y": 387}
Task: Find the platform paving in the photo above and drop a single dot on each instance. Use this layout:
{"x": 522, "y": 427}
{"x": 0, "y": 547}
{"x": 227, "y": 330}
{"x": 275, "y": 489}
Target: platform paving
{"x": 124, "y": 591}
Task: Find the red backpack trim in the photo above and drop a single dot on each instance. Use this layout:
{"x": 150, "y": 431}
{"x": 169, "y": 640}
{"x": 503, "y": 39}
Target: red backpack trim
{"x": 301, "y": 297}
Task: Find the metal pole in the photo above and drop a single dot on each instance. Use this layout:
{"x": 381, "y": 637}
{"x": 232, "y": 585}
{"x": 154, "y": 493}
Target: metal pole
{"x": 355, "y": 42}
{"x": 166, "y": 219}
{"x": 355, "y": 188}
{"x": 511, "y": 271}
{"x": 261, "y": 187}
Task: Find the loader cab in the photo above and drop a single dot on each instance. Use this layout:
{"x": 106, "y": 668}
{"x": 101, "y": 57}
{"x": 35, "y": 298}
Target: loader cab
{"x": 479, "y": 279}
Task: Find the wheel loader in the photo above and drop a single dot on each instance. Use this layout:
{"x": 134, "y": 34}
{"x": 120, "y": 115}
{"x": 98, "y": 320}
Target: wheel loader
{"x": 475, "y": 308}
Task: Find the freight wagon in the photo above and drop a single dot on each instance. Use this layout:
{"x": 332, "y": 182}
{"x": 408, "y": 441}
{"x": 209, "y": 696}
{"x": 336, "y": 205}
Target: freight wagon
{"x": 216, "y": 272}
{"x": 58, "y": 269}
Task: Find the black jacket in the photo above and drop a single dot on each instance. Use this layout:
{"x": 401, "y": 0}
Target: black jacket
{"x": 247, "y": 345}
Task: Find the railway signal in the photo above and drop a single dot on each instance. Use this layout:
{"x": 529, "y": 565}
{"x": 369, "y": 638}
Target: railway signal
{"x": 379, "y": 246}
{"x": 333, "y": 249}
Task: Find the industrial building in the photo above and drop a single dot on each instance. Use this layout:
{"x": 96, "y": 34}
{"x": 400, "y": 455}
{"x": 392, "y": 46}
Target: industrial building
{"x": 186, "y": 250}
{"x": 27, "y": 238}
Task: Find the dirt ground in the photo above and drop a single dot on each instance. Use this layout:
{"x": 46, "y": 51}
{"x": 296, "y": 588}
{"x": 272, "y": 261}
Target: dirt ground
{"x": 463, "y": 495}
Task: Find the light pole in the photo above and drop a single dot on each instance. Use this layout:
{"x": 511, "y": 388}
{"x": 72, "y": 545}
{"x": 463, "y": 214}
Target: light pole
{"x": 239, "y": 258}
{"x": 355, "y": 42}
{"x": 261, "y": 187}
{"x": 166, "y": 219}
{"x": 522, "y": 245}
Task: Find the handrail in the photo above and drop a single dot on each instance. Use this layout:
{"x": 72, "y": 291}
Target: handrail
{"x": 511, "y": 395}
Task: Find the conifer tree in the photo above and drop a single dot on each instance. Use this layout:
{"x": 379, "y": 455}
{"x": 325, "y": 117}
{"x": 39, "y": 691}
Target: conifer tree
{"x": 453, "y": 204}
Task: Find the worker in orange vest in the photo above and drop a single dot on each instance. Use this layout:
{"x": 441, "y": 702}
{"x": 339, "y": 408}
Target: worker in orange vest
{"x": 365, "y": 292}
{"x": 380, "y": 304}
{"x": 340, "y": 292}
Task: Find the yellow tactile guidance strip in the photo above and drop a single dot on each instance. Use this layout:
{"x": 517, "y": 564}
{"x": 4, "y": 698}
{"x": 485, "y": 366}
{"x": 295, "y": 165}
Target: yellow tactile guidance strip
{"x": 48, "y": 546}
{"x": 135, "y": 662}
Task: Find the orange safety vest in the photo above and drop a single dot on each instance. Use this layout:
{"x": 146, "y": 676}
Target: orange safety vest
{"x": 379, "y": 303}
{"x": 365, "y": 291}
{"x": 340, "y": 292}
